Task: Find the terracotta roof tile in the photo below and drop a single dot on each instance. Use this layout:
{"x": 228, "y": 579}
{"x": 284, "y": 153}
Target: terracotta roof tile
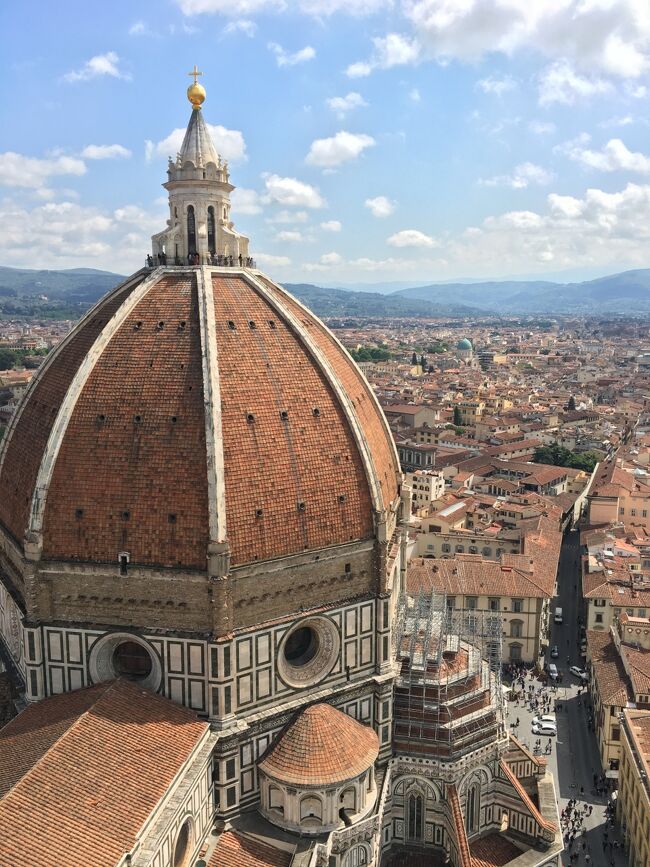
{"x": 459, "y": 827}
{"x": 493, "y": 850}
{"x": 235, "y": 849}
{"x": 321, "y": 745}
{"x": 97, "y": 761}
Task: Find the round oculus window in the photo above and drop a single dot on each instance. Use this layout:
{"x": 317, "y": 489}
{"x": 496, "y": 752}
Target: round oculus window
{"x": 132, "y": 660}
{"x": 301, "y": 646}
{"x": 308, "y": 652}
{"x": 122, "y": 654}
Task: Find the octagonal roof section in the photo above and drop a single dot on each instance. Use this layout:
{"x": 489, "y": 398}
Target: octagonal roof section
{"x": 194, "y": 406}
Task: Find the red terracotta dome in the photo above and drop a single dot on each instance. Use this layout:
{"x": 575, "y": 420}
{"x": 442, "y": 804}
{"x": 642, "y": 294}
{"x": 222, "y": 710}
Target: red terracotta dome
{"x": 194, "y": 406}
{"x": 321, "y": 746}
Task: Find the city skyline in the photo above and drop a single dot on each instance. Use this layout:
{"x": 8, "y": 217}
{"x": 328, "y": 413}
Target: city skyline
{"x": 369, "y": 141}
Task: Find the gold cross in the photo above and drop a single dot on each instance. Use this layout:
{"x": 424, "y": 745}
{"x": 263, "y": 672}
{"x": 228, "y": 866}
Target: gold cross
{"x": 195, "y": 72}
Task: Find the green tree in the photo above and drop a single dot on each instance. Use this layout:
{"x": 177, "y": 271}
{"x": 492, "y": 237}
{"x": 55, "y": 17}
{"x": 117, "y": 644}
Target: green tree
{"x": 458, "y": 419}
{"x": 8, "y": 358}
{"x": 414, "y": 359}
{"x": 571, "y": 405}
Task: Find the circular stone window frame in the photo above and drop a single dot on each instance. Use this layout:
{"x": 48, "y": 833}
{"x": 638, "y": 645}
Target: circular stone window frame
{"x": 321, "y": 664}
{"x": 100, "y": 663}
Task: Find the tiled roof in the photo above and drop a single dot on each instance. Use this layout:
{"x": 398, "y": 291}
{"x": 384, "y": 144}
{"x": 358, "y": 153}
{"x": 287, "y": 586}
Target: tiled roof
{"x": 471, "y": 575}
{"x": 89, "y": 768}
{"x": 235, "y": 849}
{"x": 321, "y": 745}
{"x": 131, "y": 472}
{"x": 493, "y": 850}
{"x": 523, "y": 794}
{"x": 459, "y": 826}
{"x": 609, "y": 672}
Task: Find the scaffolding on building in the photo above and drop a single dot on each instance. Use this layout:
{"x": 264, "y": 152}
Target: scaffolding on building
{"x": 448, "y": 696}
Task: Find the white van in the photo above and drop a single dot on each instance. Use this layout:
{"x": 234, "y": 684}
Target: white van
{"x": 552, "y": 671}
{"x": 558, "y": 615}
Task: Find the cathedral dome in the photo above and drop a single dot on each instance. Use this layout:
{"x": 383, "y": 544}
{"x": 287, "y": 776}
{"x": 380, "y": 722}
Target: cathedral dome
{"x": 464, "y": 345}
{"x": 193, "y": 408}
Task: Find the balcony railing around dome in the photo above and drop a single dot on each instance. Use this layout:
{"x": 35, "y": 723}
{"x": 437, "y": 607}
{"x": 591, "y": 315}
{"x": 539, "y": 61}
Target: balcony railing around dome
{"x": 196, "y": 261}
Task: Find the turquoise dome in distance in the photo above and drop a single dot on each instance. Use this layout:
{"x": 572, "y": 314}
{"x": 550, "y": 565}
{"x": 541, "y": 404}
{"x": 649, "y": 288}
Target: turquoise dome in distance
{"x": 465, "y": 345}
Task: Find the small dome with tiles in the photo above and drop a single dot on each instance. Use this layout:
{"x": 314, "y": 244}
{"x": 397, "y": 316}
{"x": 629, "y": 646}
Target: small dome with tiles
{"x": 321, "y": 746}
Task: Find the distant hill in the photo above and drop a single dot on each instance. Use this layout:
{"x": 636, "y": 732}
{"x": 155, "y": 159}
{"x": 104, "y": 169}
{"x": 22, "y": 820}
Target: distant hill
{"x": 72, "y": 285}
{"x": 69, "y": 292}
{"x": 340, "y": 302}
{"x": 618, "y": 293}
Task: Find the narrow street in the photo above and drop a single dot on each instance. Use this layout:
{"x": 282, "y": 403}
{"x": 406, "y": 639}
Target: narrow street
{"x": 574, "y": 757}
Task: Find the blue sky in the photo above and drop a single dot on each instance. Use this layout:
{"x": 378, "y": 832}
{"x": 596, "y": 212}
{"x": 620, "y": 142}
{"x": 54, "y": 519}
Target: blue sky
{"x": 370, "y": 140}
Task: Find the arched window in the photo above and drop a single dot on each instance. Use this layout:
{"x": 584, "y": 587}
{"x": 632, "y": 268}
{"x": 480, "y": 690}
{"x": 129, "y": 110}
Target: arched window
{"x": 472, "y": 808}
{"x": 212, "y": 245}
{"x": 357, "y": 857}
{"x": 414, "y": 819}
{"x": 276, "y": 800}
{"x": 311, "y": 811}
{"x": 191, "y": 231}
{"x": 349, "y": 800}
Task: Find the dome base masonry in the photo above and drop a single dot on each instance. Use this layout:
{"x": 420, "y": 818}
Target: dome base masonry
{"x": 204, "y": 599}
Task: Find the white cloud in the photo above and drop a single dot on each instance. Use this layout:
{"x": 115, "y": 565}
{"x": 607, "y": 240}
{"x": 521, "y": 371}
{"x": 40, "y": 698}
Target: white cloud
{"x": 284, "y": 217}
{"x": 358, "y": 70}
{"x": 141, "y": 28}
{"x": 414, "y": 95}
{"x": 331, "y": 259}
{"x": 390, "y": 50}
{"x": 290, "y": 235}
{"x": 612, "y": 36}
{"x": 70, "y": 235}
{"x": 292, "y": 193}
{"x": 338, "y": 149}
{"x": 228, "y": 142}
{"x": 540, "y": 127}
{"x": 614, "y": 157}
{"x": 380, "y": 206}
{"x": 245, "y": 201}
{"x": 241, "y": 25}
{"x": 524, "y": 175}
{"x": 331, "y": 226}
{"x": 17, "y": 170}
{"x": 636, "y": 91}
{"x": 411, "y": 238}
{"x": 343, "y": 104}
{"x": 315, "y": 8}
{"x": 619, "y": 120}
{"x": 561, "y": 83}
{"x": 100, "y": 65}
{"x": 283, "y": 58}
{"x": 273, "y": 261}
{"x": 233, "y": 8}
{"x": 496, "y": 86}
{"x": 596, "y": 230}
{"x": 105, "y": 152}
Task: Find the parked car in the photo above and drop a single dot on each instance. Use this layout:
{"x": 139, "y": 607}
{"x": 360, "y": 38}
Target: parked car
{"x": 554, "y": 652}
{"x": 576, "y": 671}
{"x": 546, "y": 730}
{"x": 544, "y": 719}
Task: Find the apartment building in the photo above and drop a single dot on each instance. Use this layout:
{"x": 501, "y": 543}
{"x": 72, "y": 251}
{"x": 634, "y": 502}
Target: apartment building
{"x": 633, "y": 803}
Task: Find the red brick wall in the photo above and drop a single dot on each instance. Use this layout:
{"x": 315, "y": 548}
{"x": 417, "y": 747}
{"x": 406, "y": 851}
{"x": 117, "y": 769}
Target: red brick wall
{"x": 381, "y": 448}
{"x": 128, "y": 478}
{"x": 271, "y": 464}
{"x": 29, "y": 439}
